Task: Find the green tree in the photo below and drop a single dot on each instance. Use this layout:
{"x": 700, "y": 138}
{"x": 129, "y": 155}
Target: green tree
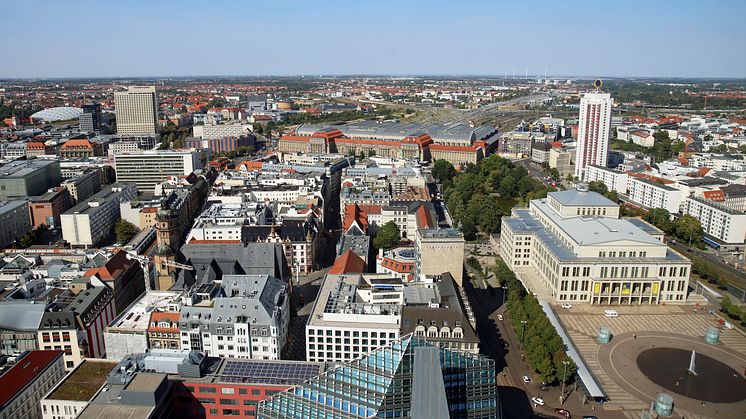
{"x": 443, "y": 170}
{"x": 387, "y": 236}
{"x": 660, "y": 218}
{"x": 689, "y": 229}
{"x": 598, "y": 187}
{"x": 125, "y": 231}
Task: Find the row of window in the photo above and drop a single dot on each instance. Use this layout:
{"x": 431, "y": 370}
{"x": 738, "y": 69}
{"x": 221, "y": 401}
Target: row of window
{"x": 622, "y": 254}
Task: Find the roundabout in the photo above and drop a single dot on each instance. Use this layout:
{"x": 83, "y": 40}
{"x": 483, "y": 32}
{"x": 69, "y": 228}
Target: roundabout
{"x": 709, "y": 383}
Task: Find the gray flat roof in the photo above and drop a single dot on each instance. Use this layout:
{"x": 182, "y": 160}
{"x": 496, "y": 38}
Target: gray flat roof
{"x": 575, "y": 198}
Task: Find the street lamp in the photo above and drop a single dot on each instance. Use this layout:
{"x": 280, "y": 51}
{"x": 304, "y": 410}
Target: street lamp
{"x": 523, "y": 332}
{"x": 564, "y": 375}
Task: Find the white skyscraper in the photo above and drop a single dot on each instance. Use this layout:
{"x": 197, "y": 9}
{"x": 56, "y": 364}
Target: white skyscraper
{"x": 593, "y": 131}
{"x": 137, "y": 110}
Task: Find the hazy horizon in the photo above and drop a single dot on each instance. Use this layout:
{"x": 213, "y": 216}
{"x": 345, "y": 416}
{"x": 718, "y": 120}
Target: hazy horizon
{"x": 285, "y": 38}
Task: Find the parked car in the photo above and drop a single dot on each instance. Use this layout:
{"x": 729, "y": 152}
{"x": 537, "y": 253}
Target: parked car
{"x": 563, "y": 412}
{"x": 538, "y": 400}
{"x": 500, "y": 317}
{"x": 526, "y": 379}
{"x": 566, "y": 306}
{"x": 589, "y": 417}
{"x": 611, "y": 313}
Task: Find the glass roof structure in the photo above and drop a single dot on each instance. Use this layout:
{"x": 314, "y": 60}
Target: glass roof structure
{"x": 398, "y": 380}
{"x": 62, "y": 113}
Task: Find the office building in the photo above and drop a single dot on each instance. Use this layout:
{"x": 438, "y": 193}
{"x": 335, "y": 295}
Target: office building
{"x": 248, "y": 318}
{"x": 24, "y": 178}
{"x": 122, "y": 275}
{"x": 220, "y": 131}
{"x": 71, "y": 395}
{"x": 723, "y": 224}
{"x": 90, "y": 119}
{"x": 352, "y": 317}
{"x": 651, "y": 194}
{"x": 80, "y": 148}
{"x": 24, "y": 385}
{"x": 84, "y": 184}
{"x": 14, "y": 221}
{"x": 151, "y": 167}
{"x": 439, "y": 250}
{"x": 594, "y": 128}
{"x": 221, "y": 145}
{"x": 137, "y": 110}
{"x": 405, "y": 378}
{"x": 572, "y": 246}
{"x": 46, "y": 209}
{"x": 90, "y": 221}
{"x": 614, "y": 180}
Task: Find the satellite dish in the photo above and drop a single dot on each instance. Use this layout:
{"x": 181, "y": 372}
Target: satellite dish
{"x": 597, "y": 84}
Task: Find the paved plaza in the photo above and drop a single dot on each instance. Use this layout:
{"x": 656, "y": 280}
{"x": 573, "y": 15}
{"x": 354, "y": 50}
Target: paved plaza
{"x": 637, "y": 329}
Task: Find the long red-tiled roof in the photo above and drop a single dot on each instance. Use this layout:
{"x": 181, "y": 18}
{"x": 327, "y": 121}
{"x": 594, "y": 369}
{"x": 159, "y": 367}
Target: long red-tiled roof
{"x": 35, "y": 145}
{"x": 651, "y": 178}
{"x": 370, "y": 208}
{"x": 294, "y": 138}
{"x": 348, "y": 263}
{"x": 423, "y": 218}
{"x": 396, "y": 266}
{"x": 77, "y": 143}
{"x": 23, "y": 373}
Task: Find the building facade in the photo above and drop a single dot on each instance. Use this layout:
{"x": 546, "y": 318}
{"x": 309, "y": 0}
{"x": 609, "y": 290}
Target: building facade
{"x": 574, "y": 247}
{"x": 654, "y": 195}
{"x": 90, "y": 221}
{"x": 719, "y": 221}
{"x": 24, "y": 178}
{"x": 26, "y": 383}
{"x": 594, "y": 128}
{"x": 14, "y": 221}
{"x": 137, "y": 110}
{"x": 151, "y": 167}
{"x": 438, "y": 251}
{"x": 614, "y": 180}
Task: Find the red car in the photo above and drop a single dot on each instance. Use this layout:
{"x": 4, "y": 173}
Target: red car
{"x": 563, "y": 412}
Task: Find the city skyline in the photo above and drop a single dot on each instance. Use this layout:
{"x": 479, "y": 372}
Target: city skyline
{"x": 291, "y": 38}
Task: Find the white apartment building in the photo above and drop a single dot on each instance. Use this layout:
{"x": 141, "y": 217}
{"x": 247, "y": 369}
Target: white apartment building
{"x": 613, "y": 179}
{"x": 282, "y": 195}
{"x": 248, "y": 318}
{"x": 351, "y": 318}
{"x": 14, "y": 221}
{"x": 594, "y": 127}
{"x": 151, "y": 167}
{"x": 654, "y": 195}
{"x": 137, "y": 110}
{"x": 218, "y": 131}
{"x": 573, "y": 247}
{"x": 90, "y": 221}
{"x": 719, "y": 221}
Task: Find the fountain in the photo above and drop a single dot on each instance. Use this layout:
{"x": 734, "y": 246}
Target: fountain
{"x": 691, "y": 365}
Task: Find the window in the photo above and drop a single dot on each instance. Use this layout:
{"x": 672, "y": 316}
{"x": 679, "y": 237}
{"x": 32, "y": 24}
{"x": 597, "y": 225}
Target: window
{"x": 256, "y": 392}
{"x": 207, "y": 390}
{"x": 227, "y": 390}
{"x": 229, "y": 401}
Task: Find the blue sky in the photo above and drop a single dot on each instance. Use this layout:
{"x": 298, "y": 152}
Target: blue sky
{"x": 131, "y": 38}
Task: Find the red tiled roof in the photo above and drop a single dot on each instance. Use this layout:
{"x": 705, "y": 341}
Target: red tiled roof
{"x": 354, "y": 213}
{"x": 396, "y": 266}
{"x": 423, "y": 218}
{"x": 112, "y": 268}
{"x": 35, "y": 145}
{"x": 651, "y": 178}
{"x": 77, "y": 143}
{"x": 348, "y": 263}
{"x": 716, "y": 195}
{"x": 370, "y": 208}
{"x": 294, "y": 138}
{"x": 24, "y": 372}
{"x": 158, "y": 316}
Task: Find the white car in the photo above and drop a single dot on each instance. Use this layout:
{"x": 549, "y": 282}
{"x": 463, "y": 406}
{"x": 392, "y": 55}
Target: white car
{"x": 500, "y": 317}
{"x": 526, "y": 379}
{"x": 611, "y": 313}
{"x": 538, "y": 400}
{"x": 566, "y": 305}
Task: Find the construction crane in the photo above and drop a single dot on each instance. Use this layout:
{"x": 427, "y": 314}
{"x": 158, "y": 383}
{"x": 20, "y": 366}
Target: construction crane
{"x": 146, "y": 261}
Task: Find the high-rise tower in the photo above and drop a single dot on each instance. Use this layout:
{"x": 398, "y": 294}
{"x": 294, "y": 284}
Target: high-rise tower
{"x": 137, "y": 110}
{"x": 594, "y": 127}
{"x": 167, "y": 244}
